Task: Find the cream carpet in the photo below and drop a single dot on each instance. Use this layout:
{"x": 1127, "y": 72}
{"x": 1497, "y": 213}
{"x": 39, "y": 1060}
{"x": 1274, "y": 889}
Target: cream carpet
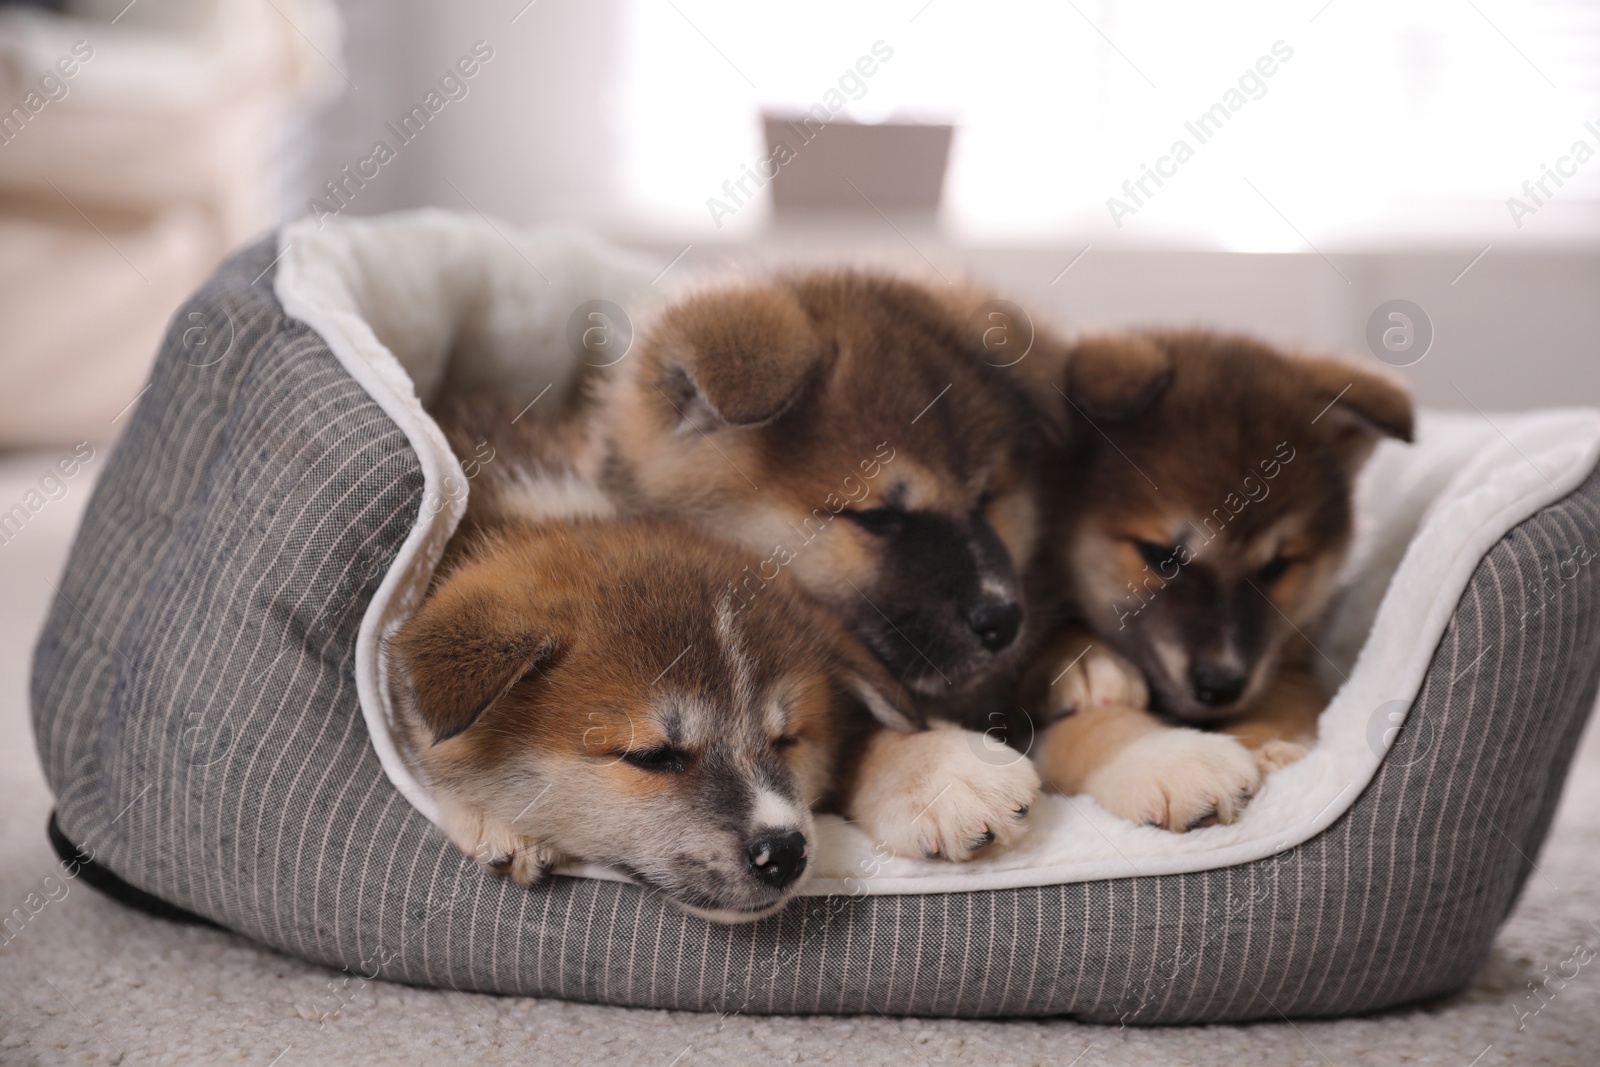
{"x": 87, "y": 981}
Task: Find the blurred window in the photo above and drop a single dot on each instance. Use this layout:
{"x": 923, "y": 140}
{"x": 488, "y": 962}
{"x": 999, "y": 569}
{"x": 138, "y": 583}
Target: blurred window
{"x": 1379, "y": 118}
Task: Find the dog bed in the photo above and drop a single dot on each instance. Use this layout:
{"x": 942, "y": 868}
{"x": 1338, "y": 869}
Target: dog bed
{"x": 209, "y": 699}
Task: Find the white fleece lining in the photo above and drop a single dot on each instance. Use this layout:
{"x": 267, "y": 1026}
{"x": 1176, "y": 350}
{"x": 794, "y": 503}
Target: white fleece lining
{"x": 458, "y": 293}
{"x": 421, "y": 279}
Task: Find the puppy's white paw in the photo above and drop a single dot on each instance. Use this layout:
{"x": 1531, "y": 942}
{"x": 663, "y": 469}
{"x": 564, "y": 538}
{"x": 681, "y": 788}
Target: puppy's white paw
{"x": 1179, "y": 779}
{"x": 943, "y": 792}
{"x": 496, "y": 846}
{"x": 1098, "y": 678}
{"x": 1275, "y": 755}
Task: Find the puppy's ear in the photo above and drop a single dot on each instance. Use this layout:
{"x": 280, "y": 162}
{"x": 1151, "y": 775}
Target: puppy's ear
{"x": 1116, "y": 376}
{"x": 736, "y": 358}
{"x": 1377, "y": 401}
{"x": 462, "y": 652}
{"x": 1008, "y": 337}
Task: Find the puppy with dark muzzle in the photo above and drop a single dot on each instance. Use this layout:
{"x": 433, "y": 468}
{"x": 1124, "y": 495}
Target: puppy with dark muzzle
{"x": 764, "y": 413}
{"x": 852, "y": 430}
{"x": 580, "y": 686}
{"x": 1197, "y": 519}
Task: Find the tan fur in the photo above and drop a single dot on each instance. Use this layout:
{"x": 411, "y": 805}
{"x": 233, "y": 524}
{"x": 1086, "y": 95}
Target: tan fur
{"x": 1196, "y": 521}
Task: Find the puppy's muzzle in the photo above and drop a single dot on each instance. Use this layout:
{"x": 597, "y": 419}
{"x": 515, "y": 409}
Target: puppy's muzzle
{"x": 777, "y": 857}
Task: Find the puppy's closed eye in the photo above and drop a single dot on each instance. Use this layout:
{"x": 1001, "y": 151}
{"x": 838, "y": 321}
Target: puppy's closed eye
{"x": 660, "y": 759}
{"x": 883, "y": 521}
{"x": 1153, "y": 554}
{"x": 1276, "y": 568}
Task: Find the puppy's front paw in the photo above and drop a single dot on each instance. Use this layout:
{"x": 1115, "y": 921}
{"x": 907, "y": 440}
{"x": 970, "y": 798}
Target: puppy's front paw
{"x": 527, "y": 861}
{"x": 496, "y": 846}
{"x": 943, "y": 792}
{"x": 1179, "y": 779}
{"x": 1096, "y": 678}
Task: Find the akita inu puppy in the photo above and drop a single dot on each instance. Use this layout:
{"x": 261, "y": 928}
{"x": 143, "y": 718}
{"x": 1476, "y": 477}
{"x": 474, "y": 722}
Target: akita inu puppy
{"x": 852, "y": 430}
{"x": 586, "y": 687}
{"x": 1196, "y": 522}
{"x": 855, "y": 433}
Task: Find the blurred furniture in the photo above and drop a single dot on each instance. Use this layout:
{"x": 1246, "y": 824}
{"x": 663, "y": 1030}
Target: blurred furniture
{"x": 123, "y": 182}
{"x": 842, "y": 166}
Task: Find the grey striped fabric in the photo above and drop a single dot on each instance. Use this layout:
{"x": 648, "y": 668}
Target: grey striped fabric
{"x": 196, "y": 713}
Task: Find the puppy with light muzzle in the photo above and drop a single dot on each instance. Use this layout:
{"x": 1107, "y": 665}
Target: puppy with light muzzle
{"x": 579, "y": 686}
{"x": 1198, "y": 517}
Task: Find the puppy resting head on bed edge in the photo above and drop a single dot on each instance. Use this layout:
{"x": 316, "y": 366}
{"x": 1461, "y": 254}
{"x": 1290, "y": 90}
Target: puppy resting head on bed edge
{"x": 582, "y": 689}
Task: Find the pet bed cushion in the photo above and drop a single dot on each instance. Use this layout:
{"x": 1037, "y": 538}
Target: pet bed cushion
{"x": 208, "y": 697}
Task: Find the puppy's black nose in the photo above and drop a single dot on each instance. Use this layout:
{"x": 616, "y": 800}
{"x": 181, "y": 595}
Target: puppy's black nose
{"x": 1216, "y": 687}
{"x": 996, "y": 622}
{"x": 777, "y": 857}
